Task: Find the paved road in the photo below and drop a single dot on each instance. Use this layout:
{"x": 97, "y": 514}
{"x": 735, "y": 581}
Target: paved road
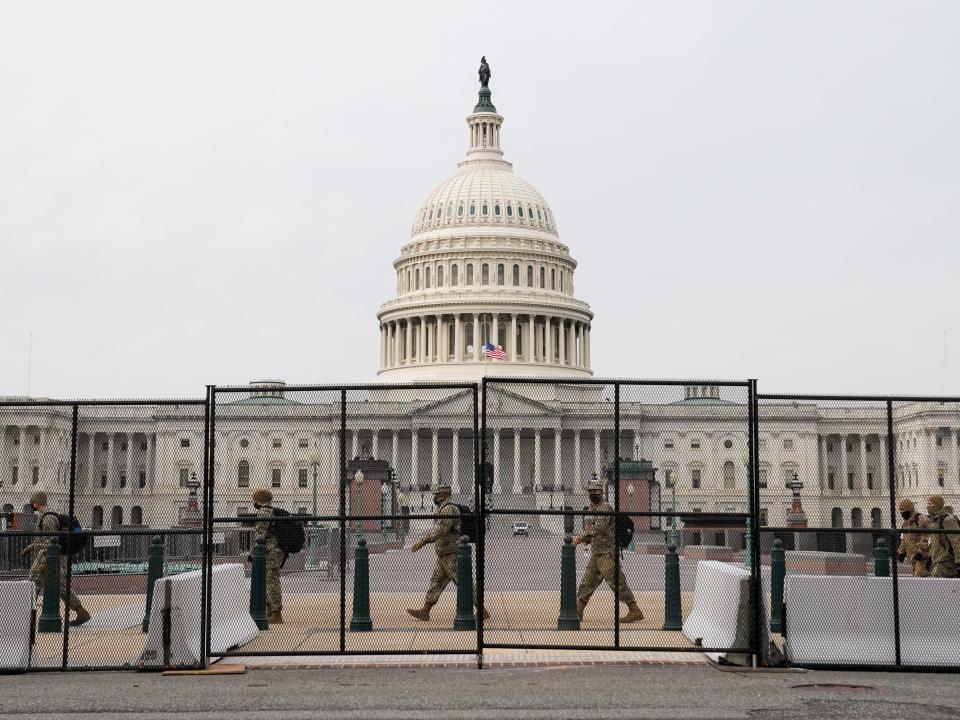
{"x": 639, "y": 693}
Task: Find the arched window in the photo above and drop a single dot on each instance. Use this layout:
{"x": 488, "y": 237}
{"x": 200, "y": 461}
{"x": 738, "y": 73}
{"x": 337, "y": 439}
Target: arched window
{"x": 500, "y": 274}
{"x": 455, "y": 275}
{"x": 426, "y": 277}
{"x": 561, "y": 281}
{"x": 529, "y": 275}
{"x": 460, "y": 211}
{"x": 530, "y": 213}
{"x": 470, "y": 274}
{"x": 408, "y": 281}
{"x": 543, "y": 275}
{"x": 509, "y": 210}
{"x": 729, "y": 476}
{"x": 136, "y": 515}
{"x": 431, "y": 214}
{"x": 496, "y": 209}
{"x": 116, "y": 516}
{"x": 836, "y": 518}
{"x": 485, "y": 274}
{"x": 876, "y": 518}
{"x": 516, "y": 275}
{"x": 96, "y": 519}
{"x": 449, "y": 210}
{"x": 440, "y": 276}
{"x": 520, "y": 210}
{"x": 553, "y": 278}
{"x": 483, "y": 210}
{"x": 856, "y": 518}
{"x": 417, "y": 278}
{"x": 539, "y": 216}
{"x": 243, "y": 474}
{"x": 473, "y": 209}
{"x": 468, "y": 336}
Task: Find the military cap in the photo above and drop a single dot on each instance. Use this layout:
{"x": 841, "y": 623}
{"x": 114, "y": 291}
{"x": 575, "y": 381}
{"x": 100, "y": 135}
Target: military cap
{"x": 906, "y": 505}
{"x": 443, "y": 489}
{"x": 935, "y": 502}
{"x": 38, "y": 498}
{"x": 262, "y": 496}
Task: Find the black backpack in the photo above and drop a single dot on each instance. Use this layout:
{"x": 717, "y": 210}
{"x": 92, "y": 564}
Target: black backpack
{"x": 624, "y": 531}
{"x": 468, "y": 522}
{"x": 289, "y": 534}
{"x": 76, "y": 540}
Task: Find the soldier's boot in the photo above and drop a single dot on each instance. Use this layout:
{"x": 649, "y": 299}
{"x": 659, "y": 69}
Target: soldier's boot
{"x": 486, "y": 614}
{"x": 635, "y": 614}
{"x": 581, "y": 606}
{"x": 82, "y": 617}
{"x": 275, "y": 618}
{"x": 423, "y": 613}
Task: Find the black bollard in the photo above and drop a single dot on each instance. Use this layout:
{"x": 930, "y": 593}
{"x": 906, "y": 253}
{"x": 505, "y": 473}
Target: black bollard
{"x": 360, "y": 621}
{"x": 154, "y": 573}
{"x": 258, "y": 585}
{"x": 464, "y": 619}
{"x": 672, "y": 609}
{"x": 50, "y": 621}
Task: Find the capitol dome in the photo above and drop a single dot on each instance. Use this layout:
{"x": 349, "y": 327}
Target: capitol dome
{"x": 484, "y": 285}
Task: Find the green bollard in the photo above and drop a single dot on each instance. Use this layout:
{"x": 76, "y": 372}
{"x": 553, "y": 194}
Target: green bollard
{"x": 568, "y": 619}
{"x": 464, "y": 619}
{"x": 360, "y": 621}
{"x": 258, "y": 585}
{"x": 778, "y": 571}
{"x": 672, "y": 609}
{"x": 881, "y": 559}
{"x": 50, "y": 620}
{"x": 154, "y": 573}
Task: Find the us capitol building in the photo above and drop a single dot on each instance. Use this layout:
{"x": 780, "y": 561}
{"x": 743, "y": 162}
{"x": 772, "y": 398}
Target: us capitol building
{"x": 484, "y": 264}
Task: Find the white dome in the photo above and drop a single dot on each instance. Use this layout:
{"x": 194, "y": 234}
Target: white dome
{"x": 483, "y": 195}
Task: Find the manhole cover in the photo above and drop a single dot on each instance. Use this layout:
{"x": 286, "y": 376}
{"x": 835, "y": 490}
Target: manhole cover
{"x": 831, "y": 686}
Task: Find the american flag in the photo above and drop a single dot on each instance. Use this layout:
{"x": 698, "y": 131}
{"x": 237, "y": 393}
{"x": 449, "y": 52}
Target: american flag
{"x": 494, "y": 352}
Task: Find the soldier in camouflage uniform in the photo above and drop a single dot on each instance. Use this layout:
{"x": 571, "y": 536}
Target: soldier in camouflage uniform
{"x": 446, "y": 540}
{"x": 276, "y": 557}
{"x": 942, "y": 549}
{"x": 38, "y": 570}
{"x": 913, "y": 544}
{"x": 602, "y": 566}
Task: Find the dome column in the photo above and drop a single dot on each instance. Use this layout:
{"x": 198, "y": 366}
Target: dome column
{"x": 495, "y": 327}
{"x": 561, "y": 343}
{"x": 531, "y": 339}
{"x": 420, "y": 340}
{"x": 476, "y": 337}
{"x": 441, "y": 345}
{"x": 587, "y": 353}
{"x": 408, "y": 351}
{"x": 457, "y": 339}
{"x": 513, "y": 337}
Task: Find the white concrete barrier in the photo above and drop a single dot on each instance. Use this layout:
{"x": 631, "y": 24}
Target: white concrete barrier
{"x": 230, "y": 620}
{"x": 17, "y": 601}
{"x": 835, "y": 620}
{"x": 721, "y": 616}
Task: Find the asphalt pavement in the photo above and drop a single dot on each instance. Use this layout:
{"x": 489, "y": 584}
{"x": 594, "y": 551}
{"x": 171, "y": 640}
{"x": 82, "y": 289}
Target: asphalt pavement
{"x": 638, "y": 693}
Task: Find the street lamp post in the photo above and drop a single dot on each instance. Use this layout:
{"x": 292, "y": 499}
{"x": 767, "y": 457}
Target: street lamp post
{"x": 314, "y": 531}
{"x": 672, "y": 484}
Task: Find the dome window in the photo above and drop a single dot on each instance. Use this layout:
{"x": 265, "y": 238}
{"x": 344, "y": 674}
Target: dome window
{"x": 543, "y": 275}
{"x": 417, "y": 279}
{"x": 440, "y": 276}
{"x": 509, "y": 210}
{"x": 500, "y": 274}
{"x": 473, "y": 209}
{"x": 431, "y": 215}
{"x": 483, "y": 210}
{"x": 520, "y": 210}
{"x": 516, "y": 275}
{"x": 470, "y": 274}
{"x": 455, "y": 274}
{"x": 539, "y": 216}
{"x": 553, "y": 278}
{"x": 485, "y": 274}
{"x": 449, "y": 211}
{"x": 426, "y": 277}
{"x": 460, "y": 211}
{"x": 496, "y": 209}
{"x": 529, "y": 275}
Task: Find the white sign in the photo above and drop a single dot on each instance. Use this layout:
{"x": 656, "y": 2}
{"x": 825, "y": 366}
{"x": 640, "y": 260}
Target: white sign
{"x": 106, "y": 541}
{"x": 219, "y": 538}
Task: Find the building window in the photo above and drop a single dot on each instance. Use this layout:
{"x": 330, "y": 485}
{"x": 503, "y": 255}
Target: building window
{"x": 244, "y": 443}
{"x": 939, "y": 440}
{"x": 500, "y": 274}
{"x": 136, "y": 515}
{"x": 184, "y": 476}
{"x": 869, "y": 447}
{"x": 469, "y": 274}
{"x": 763, "y": 517}
{"x": 143, "y": 446}
{"x": 763, "y": 477}
{"x": 103, "y": 479}
{"x": 728, "y": 444}
{"x": 275, "y": 477}
{"x": 870, "y": 480}
{"x": 553, "y": 278}
{"x": 496, "y": 209}
{"x": 849, "y": 481}
{"x": 729, "y": 477}
{"x": 35, "y": 474}
{"x": 302, "y": 477}
{"x": 302, "y": 442}
{"x": 849, "y": 447}
{"x": 543, "y": 275}
{"x": 668, "y": 445}
{"x": 831, "y": 482}
{"x": 473, "y": 209}
{"x": 485, "y": 274}
{"x": 829, "y": 447}
{"x": 454, "y": 275}
{"x": 143, "y": 478}
{"x": 516, "y": 275}
{"x": 106, "y": 444}
{"x": 416, "y": 278}
{"x": 694, "y": 444}
{"x": 123, "y": 480}
{"x": 939, "y": 477}
{"x": 243, "y": 474}
{"x": 509, "y": 210}
{"x": 460, "y": 211}
{"x": 426, "y": 277}
{"x": 184, "y": 442}
{"x": 529, "y": 275}
{"x": 96, "y": 518}
{"x": 123, "y": 446}
{"x": 695, "y": 478}
{"x": 440, "y": 276}
{"x": 788, "y": 444}
{"x": 520, "y": 210}
{"x": 277, "y": 443}
{"x": 483, "y": 210}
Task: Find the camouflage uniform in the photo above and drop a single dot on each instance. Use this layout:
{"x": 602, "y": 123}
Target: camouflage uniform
{"x": 602, "y": 566}
{"x": 275, "y": 559}
{"x": 943, "y": 549}
{"x": 446, "y": 540}
{"x": 38, "y": 570}
{"x": 913, "y": 543}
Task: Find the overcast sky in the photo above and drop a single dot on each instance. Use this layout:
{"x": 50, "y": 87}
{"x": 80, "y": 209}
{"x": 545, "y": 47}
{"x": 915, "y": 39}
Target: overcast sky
{"x": 211, "y": 192}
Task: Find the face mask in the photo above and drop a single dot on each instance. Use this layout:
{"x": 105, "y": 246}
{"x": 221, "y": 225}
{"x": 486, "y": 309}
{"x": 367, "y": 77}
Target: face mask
{"x": 905, "y": 515}
{"x": 595, "y": 498}
{"x": 257, "y": 506}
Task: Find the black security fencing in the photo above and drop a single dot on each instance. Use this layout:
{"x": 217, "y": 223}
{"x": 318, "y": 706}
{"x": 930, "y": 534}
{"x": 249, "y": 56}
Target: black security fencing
{"x": 846, "y": 533}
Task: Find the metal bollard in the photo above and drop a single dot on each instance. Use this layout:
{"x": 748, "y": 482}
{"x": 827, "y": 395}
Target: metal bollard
{"x": 464, "y": 619}
{"x": 672, "y": 609}
{"x": 258, "y": 585}
{"x": 568, "y": 618}
{"x": 154, "y": 573}
{"x": 50, "y": 620}
{"x": 881, "y": 559}
{"x": 360, "y": 621}
{"x": 778, "y": 572}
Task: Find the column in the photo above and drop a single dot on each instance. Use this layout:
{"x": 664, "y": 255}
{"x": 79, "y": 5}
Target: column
{"x": 393, "y": 449}
{"x": 531, "y": 339}
{"x": 397, "y": 356}
{"x": 110, "y": 461}
{"x": 455, "y": 449}
{"x": 420, "y": 343}
{"x": 375, "y": 444}
{"x": 517, "y": 484}
{"x": 130, "y": 480}
{"x": 884, "y": 459}
{"x": 388, "y": 355}
{"x": 843, "y": 462}
{"x": 537, "y": 479}
{"x": 354, "y": 443}
{"x": 148, "y": 464}
{"x": 408, "y": 351}
{"x": 414, "y": 458}
{"x": 91, "y": 446}
{"x": 561, "y": 342}
{"x": 495, "y": 329}
{"x": 441, "y": 341}
{"x": 586, "y": 344}
{"x": 596, "y": 452}
{"x": 557, "y": 440}
{"x": 23, "y": 471}
{"x": 824, "y": 469}
{"x": 457, "y": 339}
{"x": 548, "y": 340}
{"x": 476, "y": 337}
{"x": 862, "y": 485}
{"x": 513, "y": 337}
{"x": 572, "y": 346}
{"x": 578, "y": 344}
{"x": 497, "y": 475}
{"x": 434, "y": 458}
{"x": 577, "y": 484}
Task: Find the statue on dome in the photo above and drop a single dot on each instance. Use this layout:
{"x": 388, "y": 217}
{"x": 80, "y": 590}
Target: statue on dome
{"x": 484, "y": 72}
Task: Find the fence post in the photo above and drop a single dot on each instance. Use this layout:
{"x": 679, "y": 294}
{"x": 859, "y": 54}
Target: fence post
{"x": 154, "y": 573}
{"x": 464, "y": 619}
{"x": 361, "y": 622}
{"x": 568, "y": 619}
{"x": 50, "y": 621}
{"x": 672, "y": 612}
{"x": 778, "y": 571}
{"x": 258, "y": 584}
{"x": 881, "y": 559}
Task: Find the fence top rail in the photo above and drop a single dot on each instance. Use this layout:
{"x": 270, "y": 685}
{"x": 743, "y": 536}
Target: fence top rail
{"x": 104, "y": 533}
{"x": 336, "y": 387}
{"x": 35, "y": 402}
{"x": 611, "y": 381}
{"x": 859, "y": 398}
